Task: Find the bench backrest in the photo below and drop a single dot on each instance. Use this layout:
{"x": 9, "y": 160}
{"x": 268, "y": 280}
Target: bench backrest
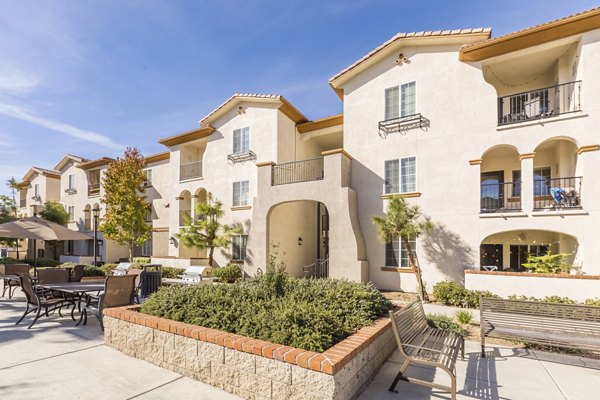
{"x": 533, "y": 315}
{"x": 16, "y": 269}
{"x": 408, "y": 324}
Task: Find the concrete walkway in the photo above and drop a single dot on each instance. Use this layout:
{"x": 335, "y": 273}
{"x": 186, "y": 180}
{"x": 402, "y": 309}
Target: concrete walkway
{"x": 57, "y": 360}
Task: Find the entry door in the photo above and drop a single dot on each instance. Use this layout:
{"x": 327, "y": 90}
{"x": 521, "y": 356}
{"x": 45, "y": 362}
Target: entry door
{"x": 518, "y": 256}
{"x": 492, "y": 191}
{"x": 491, "y": 254}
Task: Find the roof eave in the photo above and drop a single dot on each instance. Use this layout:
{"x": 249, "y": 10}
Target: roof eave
{"x": 188, "y": 136}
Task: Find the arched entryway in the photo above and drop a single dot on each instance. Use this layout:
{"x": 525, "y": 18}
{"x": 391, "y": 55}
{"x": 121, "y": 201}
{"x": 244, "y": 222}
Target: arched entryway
{"x": 500, "y": 180}
{"x": 509, "y": 250}
{"x": 300, "y": 231}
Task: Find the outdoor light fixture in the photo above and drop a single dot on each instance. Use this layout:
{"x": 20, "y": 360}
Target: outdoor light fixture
{"x": 172, "y": 240}
{"x": 299, "y": 241}
{"x": 96, "y": 215}
{"x": 100, "y": 242}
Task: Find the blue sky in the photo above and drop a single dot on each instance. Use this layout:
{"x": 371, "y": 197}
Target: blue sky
{"x": 90, "y": 77}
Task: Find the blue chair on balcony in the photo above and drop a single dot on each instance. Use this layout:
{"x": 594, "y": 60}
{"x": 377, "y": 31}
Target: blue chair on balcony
{"x": 558, "y": 195}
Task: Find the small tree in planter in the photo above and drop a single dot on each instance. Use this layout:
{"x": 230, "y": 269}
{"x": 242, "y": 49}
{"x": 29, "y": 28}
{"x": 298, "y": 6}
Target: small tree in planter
{"x": 404, "y": 221}
{"x": 206, "y": 231}
{"x": 55, "y": 212}
{"x": 125, "y": 218}
{"x": 548, "y": 264}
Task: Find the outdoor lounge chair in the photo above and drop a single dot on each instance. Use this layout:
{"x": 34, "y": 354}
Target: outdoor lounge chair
{"x": 38, "y": 304}
{"x": 138, "y": 282}
{"x": 53, "y": 275}
{"x": 118, "y": 291}
{"x": 11, "y": 284}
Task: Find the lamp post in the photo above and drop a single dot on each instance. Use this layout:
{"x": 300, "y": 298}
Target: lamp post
{"x": 96, "y": 214}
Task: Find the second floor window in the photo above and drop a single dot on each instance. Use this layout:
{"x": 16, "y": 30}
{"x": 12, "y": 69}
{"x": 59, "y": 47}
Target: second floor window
{"x": 401, "y": 175}
{"x": 241, "y": 140}
{"x": 400, "y": 101}
{"x": 238, "y": 247}
{"x": 240, "y": 193}
{"x": 71, "y": 181}
{"x": 71, "y": 211}
{"x": 36, "y": 190}
{"x": 148, "y": 177}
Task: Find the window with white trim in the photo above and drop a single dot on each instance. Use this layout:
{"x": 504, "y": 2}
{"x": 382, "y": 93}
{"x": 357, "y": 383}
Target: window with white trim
{"x": 241, "y": 195}
{"x": 147, "y": 177}
{"x": 241, "y": 140}
{"x": 401, "y": 101}
{"x": 392, "y": 105}
{"x": 238, "y": 247}
{"x": 396, "y": 253}
{"x": 36, "y": 189}
{"x": 401, "y": 175}
{"x": 71, "y": 181}
{"x": 147, "y": 248}
{"x": 71, "y": 211}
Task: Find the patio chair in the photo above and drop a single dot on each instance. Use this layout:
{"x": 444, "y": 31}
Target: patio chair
{"x": 53, "y": 275}
{"x": 37, "y": 304}
{"x": 11, "y": 284}
{"x": 77, "y": 273}
{"x": 138, "y": 282}
{"x": 118, "y": 291}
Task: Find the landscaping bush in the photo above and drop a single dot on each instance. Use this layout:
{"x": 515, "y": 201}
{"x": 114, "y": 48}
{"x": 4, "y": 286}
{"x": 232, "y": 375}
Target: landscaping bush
{"x": 592, "y": 302}
{"x": 452, "y": 294}
{"x": 10, "y": 260}
{"x": 548, "y": 264}
{"x": 90, "y": 270}
{"x": 41, "y": 262}
{"x": 229, "y": 273}
{"x": 172, "y": 272}
{"x": 441, "y": 321}
{"x": 463, "y": 316}
{"x": 142, "y": 260}
{"x": 311, "y": 314}
{"x": 108, "y": 268}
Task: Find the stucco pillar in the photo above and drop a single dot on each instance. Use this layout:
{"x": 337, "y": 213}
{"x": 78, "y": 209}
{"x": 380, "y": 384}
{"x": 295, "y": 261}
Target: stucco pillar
{"x": 527, "y": 181}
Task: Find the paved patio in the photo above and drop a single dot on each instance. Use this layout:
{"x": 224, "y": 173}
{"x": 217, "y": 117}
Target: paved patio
{"x": 57, "y": 360}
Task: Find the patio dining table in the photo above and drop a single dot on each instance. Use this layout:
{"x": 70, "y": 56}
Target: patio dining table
{"x": 74, "y": 287}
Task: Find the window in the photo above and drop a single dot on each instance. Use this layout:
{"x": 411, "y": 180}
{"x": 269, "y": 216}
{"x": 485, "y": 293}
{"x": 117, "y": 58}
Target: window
{"x": 408, "y": 99}
{"x": 71, "y": 181}
{"x": 392, "y": 103}
{"x": 516, "y": 187}
{"x": 71, "y": 211}
{"x": 396, "y": 254}
{"x": 147, "y": 177}
{"x": 36, "y": 189}
{"x": 541, "y": 181}
{"x": 241, "y": 140}
{"x": 149, "y": 213}
{"x": 238, "y": 247}
{"x": 401, "y": 175}
{"x": 240, "y": 193}
{"x": 147, "y": 248}
{"x": 70, "y": 246}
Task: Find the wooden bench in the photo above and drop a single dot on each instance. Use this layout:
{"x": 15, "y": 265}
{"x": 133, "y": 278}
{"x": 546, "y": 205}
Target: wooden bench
{"x": 420, "y": 344}
{"x": 560, "y": 325}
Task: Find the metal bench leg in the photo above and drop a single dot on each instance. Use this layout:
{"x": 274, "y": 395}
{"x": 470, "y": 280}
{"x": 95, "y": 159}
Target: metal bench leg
{"x": 462, "y": 349}
{"x": 399, "y": 377}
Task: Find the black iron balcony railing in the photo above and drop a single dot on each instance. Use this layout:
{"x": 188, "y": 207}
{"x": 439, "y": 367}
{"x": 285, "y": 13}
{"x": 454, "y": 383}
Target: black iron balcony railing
{"x": 500, "y": 197}
{"x": 402, "y": 124}
{"x": 540, "y": 103}
{"x": 191, "y": 170}
{"x": 298, "y": 171}
{"x": 557, "y": 193}
{"x": 93, "y": 189}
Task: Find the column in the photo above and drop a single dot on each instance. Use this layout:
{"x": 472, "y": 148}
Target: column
{"x": 527, "y": 181}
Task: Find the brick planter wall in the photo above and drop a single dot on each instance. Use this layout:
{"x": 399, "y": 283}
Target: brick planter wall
{"x": 250, "y": 368}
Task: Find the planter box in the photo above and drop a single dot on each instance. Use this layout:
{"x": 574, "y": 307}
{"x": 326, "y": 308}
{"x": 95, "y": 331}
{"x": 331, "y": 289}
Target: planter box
{"x": 251, "y": 368}
{"x": 504, "y": 284}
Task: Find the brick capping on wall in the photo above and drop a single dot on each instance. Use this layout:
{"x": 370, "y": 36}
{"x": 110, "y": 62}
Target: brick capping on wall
{"x": 329, "y": 362}
{"x": 529, "y": 274}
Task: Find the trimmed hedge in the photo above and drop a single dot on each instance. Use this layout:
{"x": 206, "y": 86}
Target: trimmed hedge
{"x": 311, "y": 314}
{"x": 41, "y": 261}
{"x": 452, "y": 294}
{"x": 229, "y": 273}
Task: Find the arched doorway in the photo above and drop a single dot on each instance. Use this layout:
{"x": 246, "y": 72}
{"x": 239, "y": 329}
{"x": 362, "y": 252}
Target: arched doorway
{"x": 500, "y": 180}
{"x": 508, "y": 251}
{"x": 300, "y": 231}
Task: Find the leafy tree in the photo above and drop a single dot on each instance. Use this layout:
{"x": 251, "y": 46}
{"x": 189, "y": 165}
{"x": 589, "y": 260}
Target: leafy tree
{"x": 404, "y": 221}
{"x": 13, "y": 185}
{"x": 206, "y": 232}
{"x": 55, "y": 212}
{"x": 8, "y": 210}
{"x": 125, "y": 218}
{"x": 548, "y": 264}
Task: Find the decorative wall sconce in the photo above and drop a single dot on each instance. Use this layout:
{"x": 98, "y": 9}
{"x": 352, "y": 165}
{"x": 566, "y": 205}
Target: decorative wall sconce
{"x": 172, "y": 240}
{"x": 299, "y": 241}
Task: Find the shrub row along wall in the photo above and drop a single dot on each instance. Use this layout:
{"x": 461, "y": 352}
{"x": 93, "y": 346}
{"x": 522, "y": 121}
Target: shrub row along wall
{"x": 251, "y": 368}
{"x": 504, "y": 284}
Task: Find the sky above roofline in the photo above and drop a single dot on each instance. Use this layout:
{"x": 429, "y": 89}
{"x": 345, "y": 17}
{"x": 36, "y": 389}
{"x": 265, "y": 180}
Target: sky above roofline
{"x": 90, "y": 78}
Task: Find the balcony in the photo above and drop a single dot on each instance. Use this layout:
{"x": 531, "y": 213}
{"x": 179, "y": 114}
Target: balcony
{"x": 548, "y": 102}
{"x": 298, "y": 171}
{"x": 94, "y": 189}
{"x": 191, "y": 170}
{"x": 557, "y": 193}
{"x": 500, "y": 197}
{"x": 402, "y": 124}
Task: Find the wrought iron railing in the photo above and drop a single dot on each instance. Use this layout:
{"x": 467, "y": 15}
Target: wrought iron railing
{"x": 318, "y": 269}
{"x": 500, "y": 197}
{"x": 540, "y": 103}
{"x": 557, "y": 193}
{"x": 191, "y": 170}
{"x": 93, "y": 189}
{"x": 298, "y": 171}
{"x": 402, "y": 124}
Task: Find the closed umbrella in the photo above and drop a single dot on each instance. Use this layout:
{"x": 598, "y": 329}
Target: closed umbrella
{"x": 39, "y": 229}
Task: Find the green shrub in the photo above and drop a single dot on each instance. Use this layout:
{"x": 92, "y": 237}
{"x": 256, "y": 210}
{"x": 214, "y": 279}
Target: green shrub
{"x": 463, "y": 316}
{"x": 441, "y": 321}
{"x": 171, "y": 272}
{"x": 311, "y": 314}
{"x": 548, "y": 264}
{"x": 10, "y": 260}
{"x": 229, "y": 273}
{"x": 90, "y": 270}
{"x": 452, "y": 294}
{"x": 592, "y": 302}
{"x": 547, "y": 299}
{"x": 142, "y": 260}
{"x": 108, "y": 268}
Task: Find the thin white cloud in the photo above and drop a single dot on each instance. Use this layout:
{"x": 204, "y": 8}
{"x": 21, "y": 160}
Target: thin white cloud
{"x": 16, "y": 80}
{"x": 88, "y": 136}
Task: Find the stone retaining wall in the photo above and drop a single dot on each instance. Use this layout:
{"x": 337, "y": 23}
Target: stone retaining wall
{"x": 250, "y": 368}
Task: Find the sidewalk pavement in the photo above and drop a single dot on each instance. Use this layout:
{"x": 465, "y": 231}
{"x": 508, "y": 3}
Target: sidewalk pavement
{"x": 57, "y": 360}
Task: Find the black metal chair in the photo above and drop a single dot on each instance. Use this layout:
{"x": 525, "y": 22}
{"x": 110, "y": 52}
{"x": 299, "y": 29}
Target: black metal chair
{"x": 118, "y": 291}
{"x": 11, "y": 284}
{"x": 37, "y": 304}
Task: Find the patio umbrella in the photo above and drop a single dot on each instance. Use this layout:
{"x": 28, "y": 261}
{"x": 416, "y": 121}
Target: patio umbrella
{"x": 37, "y": 228}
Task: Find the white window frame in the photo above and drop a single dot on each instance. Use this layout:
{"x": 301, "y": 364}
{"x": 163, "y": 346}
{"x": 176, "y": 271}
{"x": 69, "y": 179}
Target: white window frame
{"x": 71, "y": 211}
{"x": 71, "y": 181}
{"x": 389, "y": 111}
{"x": 148, "y": 176}
{"x": 398, "y": 184}
{"x": 243, "y": 146}
{"x": 398, "y": 108}
{"x": 237, "y": 199}
{"x": 402, "y": 111}
{"x": 400, "y": 258}
{"x": 36, "y": 190}
{"x": 388, "y": 187}
{"x": 145, "y": 247}
{"x": 400, "y": 175}
{"x": 242, "y": 254}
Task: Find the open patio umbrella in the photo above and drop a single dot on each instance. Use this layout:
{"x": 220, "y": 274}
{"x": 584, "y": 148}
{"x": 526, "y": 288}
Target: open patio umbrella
{"x": 38, "y": 229}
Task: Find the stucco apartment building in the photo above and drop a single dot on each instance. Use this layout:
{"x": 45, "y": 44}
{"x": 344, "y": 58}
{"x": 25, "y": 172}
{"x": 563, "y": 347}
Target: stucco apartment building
{"x": 494, "y": 138}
